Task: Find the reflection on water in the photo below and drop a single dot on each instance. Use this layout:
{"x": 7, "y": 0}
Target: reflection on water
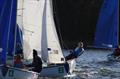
{"x": 93, "y": 64}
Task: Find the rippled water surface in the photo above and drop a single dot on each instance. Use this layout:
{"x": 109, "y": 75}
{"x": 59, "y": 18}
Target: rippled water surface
{"x": 93, "y": 64}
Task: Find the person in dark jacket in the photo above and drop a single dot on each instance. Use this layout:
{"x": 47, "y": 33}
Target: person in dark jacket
{"x": 37, "y": 62}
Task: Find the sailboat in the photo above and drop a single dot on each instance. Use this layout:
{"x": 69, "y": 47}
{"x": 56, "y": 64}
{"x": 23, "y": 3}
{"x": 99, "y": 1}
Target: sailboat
{"x": 35, "y": 19}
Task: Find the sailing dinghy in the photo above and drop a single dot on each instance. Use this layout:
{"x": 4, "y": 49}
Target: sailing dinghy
{"x": 35, "y": 20}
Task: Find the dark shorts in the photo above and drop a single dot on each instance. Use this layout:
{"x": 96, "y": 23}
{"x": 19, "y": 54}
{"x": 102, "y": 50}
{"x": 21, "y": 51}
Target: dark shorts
{"x": 70, "y": 56}
{"x": 38, "y": 70}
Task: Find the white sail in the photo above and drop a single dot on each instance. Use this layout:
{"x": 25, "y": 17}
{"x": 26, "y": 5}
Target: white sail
{"x": 20, "y": 13}
{"x": 32, "y": 21}
{"x": 40, "y": 32}
{"x": 55, "y": 55}
{"x": 49, "y": 36}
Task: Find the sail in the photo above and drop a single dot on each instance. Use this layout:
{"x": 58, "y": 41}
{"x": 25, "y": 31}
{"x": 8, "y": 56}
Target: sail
{"x": 107, "y": 31}
{"x": 44, "y": 42}
{"x": 39, "y": 31}
{"x": 20, "y": 10}
{"x": 32, "y": 22}
{"x": 20, "y": 21}
{"x": 50, "y": 43}
{"x": 7, "y": 27}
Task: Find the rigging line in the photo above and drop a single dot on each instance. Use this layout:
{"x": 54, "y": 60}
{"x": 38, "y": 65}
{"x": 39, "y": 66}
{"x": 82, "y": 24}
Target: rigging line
{"x": 2, "y": 11}
{"x": 9, "y": 27}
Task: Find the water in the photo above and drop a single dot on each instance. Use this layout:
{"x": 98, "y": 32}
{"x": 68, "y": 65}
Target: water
{"x": 93, "y": 64}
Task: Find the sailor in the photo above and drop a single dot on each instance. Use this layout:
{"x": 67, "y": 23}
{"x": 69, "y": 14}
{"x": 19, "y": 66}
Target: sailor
{"x": 67, "y": 68}
{"x": 116, "y": 52}
{"x": 76, "y": 53}
{"x": 17, "y": 62}
{"x": 37, "y": 62}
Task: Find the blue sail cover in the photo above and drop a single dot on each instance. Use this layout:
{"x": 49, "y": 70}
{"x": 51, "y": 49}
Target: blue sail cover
{"x": 107, "y": 25}
{"x": 8, "y": 11}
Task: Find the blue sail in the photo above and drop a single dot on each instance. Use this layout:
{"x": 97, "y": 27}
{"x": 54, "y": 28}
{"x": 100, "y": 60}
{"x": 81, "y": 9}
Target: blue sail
{"x": 8, "y": 11}
{"x": 107, "y": 25}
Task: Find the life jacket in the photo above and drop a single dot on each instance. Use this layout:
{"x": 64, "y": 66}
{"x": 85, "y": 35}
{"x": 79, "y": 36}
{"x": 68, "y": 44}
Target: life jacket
{"x": 78, "y": 51}
{"x": 18, "y": 64}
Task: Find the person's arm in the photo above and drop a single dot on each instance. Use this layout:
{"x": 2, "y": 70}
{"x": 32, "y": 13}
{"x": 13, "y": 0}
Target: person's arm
{"x": 81, "y": 52}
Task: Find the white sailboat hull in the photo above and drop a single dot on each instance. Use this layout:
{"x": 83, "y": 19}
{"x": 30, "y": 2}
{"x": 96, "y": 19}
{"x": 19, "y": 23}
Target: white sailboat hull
{"x": 16, "y": 73}
{"x": 53, "y": 71}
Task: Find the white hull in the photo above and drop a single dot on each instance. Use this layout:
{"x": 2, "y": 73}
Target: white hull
{"x": 16, "y": 73}
{"x": 53, "y": 71}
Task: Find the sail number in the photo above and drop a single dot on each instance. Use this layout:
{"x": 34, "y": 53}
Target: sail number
{"x": 61, "y": 70}
{"x": 11, "y": 73}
